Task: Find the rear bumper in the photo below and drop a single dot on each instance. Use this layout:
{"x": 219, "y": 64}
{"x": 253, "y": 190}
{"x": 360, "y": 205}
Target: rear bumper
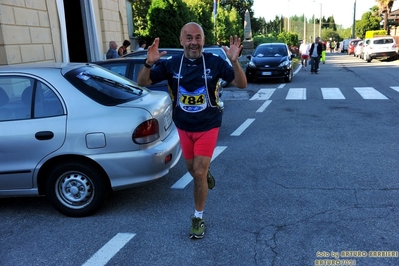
{"x": 135, "y": 168}
{"x": 383, "y": 54}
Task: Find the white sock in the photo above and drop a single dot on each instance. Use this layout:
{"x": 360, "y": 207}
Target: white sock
{"x": 198, "y": 214}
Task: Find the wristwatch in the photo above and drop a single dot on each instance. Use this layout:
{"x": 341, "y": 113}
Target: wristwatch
{"x": 146, "y": 65}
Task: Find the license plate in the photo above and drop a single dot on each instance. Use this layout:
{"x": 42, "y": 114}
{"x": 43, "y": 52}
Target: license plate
{"x": 266, "y": 73}
{"x": 167, "y": 122}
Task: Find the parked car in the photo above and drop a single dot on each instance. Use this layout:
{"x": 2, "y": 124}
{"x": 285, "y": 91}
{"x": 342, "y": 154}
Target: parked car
{"x": 270, "y": 61}
{"x": 352, "y": 45}
{"x": 344, "y": 45}
{"x": 76, "y": 132}
{"x": 217, "y": 50}
{"x": 358, "y": 50}
{"x": 380, "y": 48}
{"x": 129, "y": 67}
{"x": 170, "y": 52}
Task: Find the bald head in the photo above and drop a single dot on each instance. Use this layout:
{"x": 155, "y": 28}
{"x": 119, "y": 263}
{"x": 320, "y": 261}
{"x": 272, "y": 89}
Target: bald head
{"x": 192, "y": 39}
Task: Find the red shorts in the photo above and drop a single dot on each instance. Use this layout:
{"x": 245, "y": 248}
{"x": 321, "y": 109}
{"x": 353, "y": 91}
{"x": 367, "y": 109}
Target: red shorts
{"x": 305, "y": 56}
{"x": 198, "y": 143}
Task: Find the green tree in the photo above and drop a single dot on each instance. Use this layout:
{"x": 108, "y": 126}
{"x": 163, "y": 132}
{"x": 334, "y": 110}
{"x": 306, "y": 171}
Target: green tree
{"x": 239, "y": 5}
{"x": 331, "y": 23}
{"x": 161, "y": 25}
{"x": 203, "y": 12}
{"x": 369, "y": 21}
{"x": 228, "y": 25}
{"x": 289, "y": 38}
{"x": 330, "y": 34}
{"x": 385, "y": 7}
{"x": 140, "y": 10}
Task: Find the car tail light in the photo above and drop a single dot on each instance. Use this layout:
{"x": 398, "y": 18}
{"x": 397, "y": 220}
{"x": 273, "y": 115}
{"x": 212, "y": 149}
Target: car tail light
{"x": 168, "y": 158}
{"x": 146, "y": 132}
{"x": 394, "y": 46}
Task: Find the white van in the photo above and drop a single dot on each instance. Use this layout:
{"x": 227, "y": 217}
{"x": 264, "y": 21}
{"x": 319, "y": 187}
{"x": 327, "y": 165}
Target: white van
{"x": 379, "y": 48}
{"x": 344, "y": 45}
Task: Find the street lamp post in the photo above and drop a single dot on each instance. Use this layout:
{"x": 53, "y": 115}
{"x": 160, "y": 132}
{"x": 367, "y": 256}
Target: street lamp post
{"x": 354, "y": 20}
{"x": 320, "y": 20}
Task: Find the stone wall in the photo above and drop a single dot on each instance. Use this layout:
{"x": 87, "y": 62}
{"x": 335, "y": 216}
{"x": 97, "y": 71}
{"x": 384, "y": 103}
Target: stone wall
{"x": 30, "y": 29}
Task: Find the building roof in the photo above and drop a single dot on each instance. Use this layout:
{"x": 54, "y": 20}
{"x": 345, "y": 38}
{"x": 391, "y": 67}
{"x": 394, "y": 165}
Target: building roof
{"x": 394, "y": 14}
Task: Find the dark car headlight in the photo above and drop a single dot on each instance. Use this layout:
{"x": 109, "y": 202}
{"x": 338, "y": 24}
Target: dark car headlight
{"x": 251, "y": 64}
{"x": 284, "y": 64}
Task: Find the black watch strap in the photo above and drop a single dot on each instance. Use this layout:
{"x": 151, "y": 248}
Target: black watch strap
{"x": 147, "y": 65}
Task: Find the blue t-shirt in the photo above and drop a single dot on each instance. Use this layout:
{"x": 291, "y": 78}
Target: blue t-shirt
{"x": 195, "y": 107}
{"x": 112, "y": 53}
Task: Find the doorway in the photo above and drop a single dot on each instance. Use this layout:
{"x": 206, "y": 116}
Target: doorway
{"x": 75, "y": 31}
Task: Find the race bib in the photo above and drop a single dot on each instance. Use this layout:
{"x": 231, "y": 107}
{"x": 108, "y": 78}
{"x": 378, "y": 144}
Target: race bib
{"x": 193, "y": 102}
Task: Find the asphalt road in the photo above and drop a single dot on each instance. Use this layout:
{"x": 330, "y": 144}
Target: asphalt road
{"x": 306, "y": 174}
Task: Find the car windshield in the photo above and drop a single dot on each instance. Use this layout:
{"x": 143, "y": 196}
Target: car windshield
{"x": 103, "y": 86}
{"x": 270, "y": 51}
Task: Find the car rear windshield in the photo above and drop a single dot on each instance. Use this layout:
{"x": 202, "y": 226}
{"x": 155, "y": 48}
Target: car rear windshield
{"x": 103, "y": 86}
{"x": 383, "y": 41}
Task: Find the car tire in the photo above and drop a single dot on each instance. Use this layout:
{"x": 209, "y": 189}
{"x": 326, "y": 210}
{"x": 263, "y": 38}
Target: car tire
{"x": 367, "y": 58}
{"x": 76, "y": 189}
{"x": 249, "y": 78}
{"x": 288, "y": 78}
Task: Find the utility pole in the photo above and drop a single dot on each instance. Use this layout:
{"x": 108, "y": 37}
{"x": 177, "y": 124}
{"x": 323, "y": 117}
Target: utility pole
{"x": 354, "y": 20}
{"x": 320, "y": 20}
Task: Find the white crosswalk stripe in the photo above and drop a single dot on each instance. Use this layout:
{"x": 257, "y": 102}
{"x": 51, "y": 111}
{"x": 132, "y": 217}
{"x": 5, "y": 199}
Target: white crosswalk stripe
{"x": 296, "y": 94}
{"x": 367, "y": 93}
{"x": 263, "y": 94}
{"x": 332, "y": 94}
{"x": 396, "y": 88}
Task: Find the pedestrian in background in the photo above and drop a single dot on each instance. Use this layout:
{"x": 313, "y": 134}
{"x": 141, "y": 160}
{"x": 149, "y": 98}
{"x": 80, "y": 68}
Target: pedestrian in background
{"x": 112, "y": 53}
{"x": 315, "y": 54}
{"x": 123, "y": 49}
{"x": 304, "y": 53}
{"x": 142, "y": 45}
{"x": 323, "y": 52}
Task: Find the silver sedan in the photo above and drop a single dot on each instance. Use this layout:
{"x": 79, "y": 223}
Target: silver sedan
{"x": 76, "y": 132}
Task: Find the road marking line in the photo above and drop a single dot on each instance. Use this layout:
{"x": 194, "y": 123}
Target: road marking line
{"x": 332, "y": 94}
{"x": 263, "y": 94}
{"x": 296, "y": 94}
{"x": 369, "y": 93}
{"x": 244, "y": 126}
{"x": 187, "y": 178}
{"x": 109, "y": 250}
{"x": 281, "y": 86}
{"x": 264, "y": 106}
{"x": 396, "y": 88}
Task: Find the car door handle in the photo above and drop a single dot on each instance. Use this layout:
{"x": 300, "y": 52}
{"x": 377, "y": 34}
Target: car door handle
{"x": 44, "y": 135}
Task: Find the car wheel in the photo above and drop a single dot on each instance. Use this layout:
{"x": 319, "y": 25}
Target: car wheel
{"x": 249, "y": 78}
{"x": 367, "y": 58}
{"x": 76, "y": 189}
{"x": 288, "y": 78}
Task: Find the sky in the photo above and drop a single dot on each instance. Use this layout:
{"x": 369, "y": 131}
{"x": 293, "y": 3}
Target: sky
{"x": 342, "y": 10}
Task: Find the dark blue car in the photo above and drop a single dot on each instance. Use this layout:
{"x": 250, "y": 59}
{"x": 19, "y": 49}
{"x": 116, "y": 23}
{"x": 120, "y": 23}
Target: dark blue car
{"x": 270, "y": 61}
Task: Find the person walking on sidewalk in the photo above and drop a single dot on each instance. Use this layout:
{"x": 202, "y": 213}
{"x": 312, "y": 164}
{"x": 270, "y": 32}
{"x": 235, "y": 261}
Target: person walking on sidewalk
{"x": 193, "y": 78}
{"x": 323, "y": 52}
{"x": 304, "y": 52}
{"x": 315, "y": 54}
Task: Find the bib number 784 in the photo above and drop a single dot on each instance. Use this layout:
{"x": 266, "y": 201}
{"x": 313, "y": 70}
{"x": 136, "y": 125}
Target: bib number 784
{"x": 192, "y": 99}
